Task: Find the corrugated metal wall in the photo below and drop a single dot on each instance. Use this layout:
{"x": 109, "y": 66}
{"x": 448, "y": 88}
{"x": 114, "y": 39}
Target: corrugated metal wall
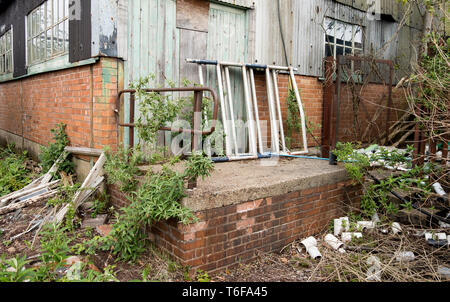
{"x": 308, "y": 34}
{"x": 268, "y": 47}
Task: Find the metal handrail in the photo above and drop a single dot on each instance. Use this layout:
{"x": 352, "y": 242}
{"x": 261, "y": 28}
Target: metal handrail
{"x": 198, "y": 100}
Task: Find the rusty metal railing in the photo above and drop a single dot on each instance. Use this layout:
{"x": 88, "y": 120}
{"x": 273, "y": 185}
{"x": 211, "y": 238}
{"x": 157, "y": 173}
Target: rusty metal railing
{"x": 197, "y": 118}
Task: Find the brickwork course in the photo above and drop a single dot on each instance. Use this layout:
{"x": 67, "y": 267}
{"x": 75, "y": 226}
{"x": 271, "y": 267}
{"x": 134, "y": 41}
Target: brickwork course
{"x": 31, "y": 106}
{"x": 226, "y": 236}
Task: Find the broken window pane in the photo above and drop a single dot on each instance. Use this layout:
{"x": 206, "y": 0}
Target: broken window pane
{"x": 342, "y": 38}
{"x": 358, "y": 34}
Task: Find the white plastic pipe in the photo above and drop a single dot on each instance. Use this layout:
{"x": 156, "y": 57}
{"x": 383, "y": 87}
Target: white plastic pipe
{"x": 200, "y": 75}
{"x": 310, "y": 241}
{"x": 333, "y": 242}
{"x": 310, "y": 244}
{"x": 437, "y": 236}
{"x": 314, "y": 252}
{"x": 338, "y": 228}
{"x": 365, "y": 225}
{"x": 405, "y": 256}
{"x": 300, "y": 108}
{"x": 347, "y": 236}
{"x": 438, "y": 189}
{"x": 396, "y": 228}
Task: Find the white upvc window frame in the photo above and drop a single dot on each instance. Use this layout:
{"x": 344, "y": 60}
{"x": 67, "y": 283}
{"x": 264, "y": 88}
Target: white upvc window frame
{"x": 342, "y": 33}
{"x": 47, "y": 31}
{"x": 6, "y": 52}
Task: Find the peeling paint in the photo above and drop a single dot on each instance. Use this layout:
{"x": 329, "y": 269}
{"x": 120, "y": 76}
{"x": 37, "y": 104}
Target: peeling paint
{"x": 108, "y": 44}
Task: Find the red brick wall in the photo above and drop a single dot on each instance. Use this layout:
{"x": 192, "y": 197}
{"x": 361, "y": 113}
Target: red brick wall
{"x": 372, "y": 96}
{"x": 311, "y": 94}
{"x": 34, "y": 105}
{"x": 225, "y": 236}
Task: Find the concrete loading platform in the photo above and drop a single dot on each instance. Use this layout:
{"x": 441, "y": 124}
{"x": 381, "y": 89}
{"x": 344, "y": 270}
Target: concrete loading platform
{"x": 250, "y": 206}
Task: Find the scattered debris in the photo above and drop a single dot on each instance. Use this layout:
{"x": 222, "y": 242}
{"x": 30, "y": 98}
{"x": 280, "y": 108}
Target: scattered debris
{"x": 73, "y": 260}
{"x": 396, "y": 228}
{"x": 94, "y": 222}
{"x": 333, "y": 242}
{"x": 340, "y": 225}
{"x": 374, "y": 272}
{"x": 104, "y": 230}
{"x": 405, "y": 256}
{"x": 89, "y": 186}
{"x": 444, "y": 272}
{"x": 438, "y": 189}
{"x": 348, "y": 236}
{"x": 310, "y": 244}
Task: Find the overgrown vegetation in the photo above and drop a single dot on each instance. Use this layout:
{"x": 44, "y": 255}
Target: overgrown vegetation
{"x": 428, "y": 98}
{"x": 55, "y": 248}
{"x": 376, "y": 198}
{"x": 294, "y": 122}
{"x": 157, "y": 197}
{"x": 51, "y": 153}
{"x": 14, "y": 174}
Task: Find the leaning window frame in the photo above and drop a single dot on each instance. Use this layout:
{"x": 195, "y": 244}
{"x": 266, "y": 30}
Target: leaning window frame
{"x": 6, "y": 52}
{"x": 30, "y": 35}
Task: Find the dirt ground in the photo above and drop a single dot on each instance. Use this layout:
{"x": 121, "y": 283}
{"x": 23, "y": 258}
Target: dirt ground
{"x": 292, "y": 264}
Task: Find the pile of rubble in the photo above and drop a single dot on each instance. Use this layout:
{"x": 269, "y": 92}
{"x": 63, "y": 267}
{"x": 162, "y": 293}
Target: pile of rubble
{"x": 348, "y": 238}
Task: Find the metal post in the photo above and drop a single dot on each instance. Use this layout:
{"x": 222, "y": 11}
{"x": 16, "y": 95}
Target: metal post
{"x": 196, "y": 137}
{"x": 388, "y": 115}
{"x": 131, "y": 130}
{"x": 336, "y": 107}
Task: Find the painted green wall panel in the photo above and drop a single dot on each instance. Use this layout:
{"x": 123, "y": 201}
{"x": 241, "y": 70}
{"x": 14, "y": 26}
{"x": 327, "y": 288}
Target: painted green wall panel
{"x": 153, "y": 44}
{"x": 228, "y": 41}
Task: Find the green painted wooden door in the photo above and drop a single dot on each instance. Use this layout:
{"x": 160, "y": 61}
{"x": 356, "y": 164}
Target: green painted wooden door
{"x": 153, "y": 44}
{"x": 228, "y": 41}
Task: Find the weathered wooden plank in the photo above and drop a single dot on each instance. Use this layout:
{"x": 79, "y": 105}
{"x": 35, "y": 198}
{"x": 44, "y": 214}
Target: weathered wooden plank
{"x": 193, "y": 14}
{"x": 49, "y": 175}
{"x": 28, "y": 202}
{"x": 33, "y": 184}
{"x": 193, "y": 44}
{"x": 241, "y": 3}
{"x": 10, "y": 198}
{"x": 84, "y": 151}
{"x": 89, "y": 185}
